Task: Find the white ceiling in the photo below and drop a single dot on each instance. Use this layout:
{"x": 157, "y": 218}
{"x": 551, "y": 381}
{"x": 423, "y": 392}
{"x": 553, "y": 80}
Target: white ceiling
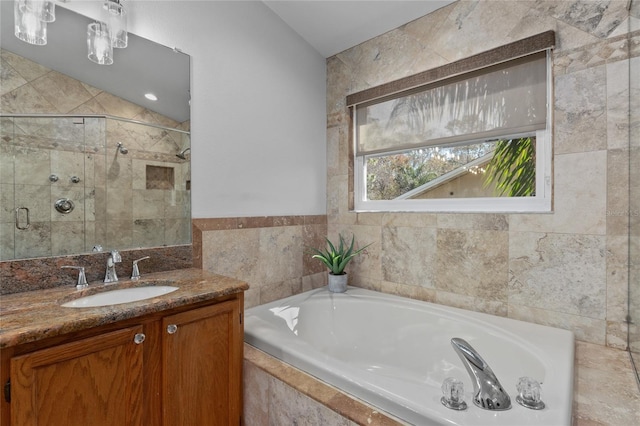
{"x": 331, "y": 26}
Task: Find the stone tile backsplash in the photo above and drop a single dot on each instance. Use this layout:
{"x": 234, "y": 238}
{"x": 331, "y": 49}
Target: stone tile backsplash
{"x": 36, "y": 274}
{"x": 269, "y": 253}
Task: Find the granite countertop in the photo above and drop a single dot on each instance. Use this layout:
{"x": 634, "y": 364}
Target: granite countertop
{"x": 35, "y": 315}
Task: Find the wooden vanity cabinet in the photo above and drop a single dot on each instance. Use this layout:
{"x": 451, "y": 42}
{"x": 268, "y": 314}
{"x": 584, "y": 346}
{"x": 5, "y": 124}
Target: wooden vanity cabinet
{"x": 93, "y": 381}
{"x": 174, "y": 368}
{"x": 200, "y": 367}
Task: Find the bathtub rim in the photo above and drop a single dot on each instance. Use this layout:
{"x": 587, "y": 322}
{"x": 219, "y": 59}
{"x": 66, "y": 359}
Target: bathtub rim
{"x": 300, "y": 361}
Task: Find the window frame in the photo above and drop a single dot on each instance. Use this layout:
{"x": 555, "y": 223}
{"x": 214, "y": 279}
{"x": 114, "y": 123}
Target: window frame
{"x": 541, "y": 202}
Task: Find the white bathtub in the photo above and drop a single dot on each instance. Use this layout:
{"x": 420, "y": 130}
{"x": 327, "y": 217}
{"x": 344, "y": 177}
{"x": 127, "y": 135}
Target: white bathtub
{"x": 394, "y": 353}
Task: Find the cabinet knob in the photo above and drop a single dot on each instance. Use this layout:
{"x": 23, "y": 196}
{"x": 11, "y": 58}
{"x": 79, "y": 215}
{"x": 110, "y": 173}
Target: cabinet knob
{"x": 172, "y": 328}
{"x": 139, "y": 338}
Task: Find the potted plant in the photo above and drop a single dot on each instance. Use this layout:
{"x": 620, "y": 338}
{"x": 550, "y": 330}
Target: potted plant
{"x": 336, "y": 257}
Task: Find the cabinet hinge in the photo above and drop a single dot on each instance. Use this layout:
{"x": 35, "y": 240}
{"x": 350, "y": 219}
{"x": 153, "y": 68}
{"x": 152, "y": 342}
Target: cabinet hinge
{"x": 240, "y": 317}
{"x": 7, "y": 391}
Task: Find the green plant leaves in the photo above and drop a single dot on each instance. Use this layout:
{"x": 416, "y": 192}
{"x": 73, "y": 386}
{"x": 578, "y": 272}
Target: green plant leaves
{"x": 513, "y": 168}
{"x": 337, "y": 259}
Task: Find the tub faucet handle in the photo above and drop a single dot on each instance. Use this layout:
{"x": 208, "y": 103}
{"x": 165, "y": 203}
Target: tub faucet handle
{"x": 135, "y": 273}
{"x": 453, "y": 394}
{"x": 529, "y": 393}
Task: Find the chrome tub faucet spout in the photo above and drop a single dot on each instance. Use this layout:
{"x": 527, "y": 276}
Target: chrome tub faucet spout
{"x": 488, "y": 392}
{"x": 110, "y": 275}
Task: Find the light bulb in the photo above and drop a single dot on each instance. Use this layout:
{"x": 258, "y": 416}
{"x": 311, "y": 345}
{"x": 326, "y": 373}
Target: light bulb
{"x": 28, "y": 25}
{"x": 102, "y": 46}
{"x": 99, "y": 44}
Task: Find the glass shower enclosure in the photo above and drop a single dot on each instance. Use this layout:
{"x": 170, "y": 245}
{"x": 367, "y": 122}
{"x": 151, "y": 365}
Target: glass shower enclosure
{"x": 74, "y": 184}
{"x": 634, "y": 186}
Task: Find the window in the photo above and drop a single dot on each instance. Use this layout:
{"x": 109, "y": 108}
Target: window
{"x": 472, "y": 141}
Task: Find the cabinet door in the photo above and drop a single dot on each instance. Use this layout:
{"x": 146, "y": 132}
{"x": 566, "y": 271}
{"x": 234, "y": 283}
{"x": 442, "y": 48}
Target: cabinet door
{"x": 202, "y": 366}
{"x": 95, "y": 381}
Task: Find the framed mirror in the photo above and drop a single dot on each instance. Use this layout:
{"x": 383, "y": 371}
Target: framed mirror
{"x": 88, "y": 163}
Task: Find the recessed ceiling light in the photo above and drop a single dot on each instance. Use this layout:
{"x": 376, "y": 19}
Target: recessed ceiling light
{"x": 151, "y": 96}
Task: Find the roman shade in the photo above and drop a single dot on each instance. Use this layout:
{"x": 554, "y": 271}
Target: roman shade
{"x": 505, "y": 99}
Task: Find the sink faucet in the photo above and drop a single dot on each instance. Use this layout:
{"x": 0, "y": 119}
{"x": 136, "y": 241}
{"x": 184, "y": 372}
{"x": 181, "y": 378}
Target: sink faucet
{"x": 82, "y": 278}
{"x": 110, "y": 276}
{"x": 488, "y": 392}
{"x": 135, "y": 273}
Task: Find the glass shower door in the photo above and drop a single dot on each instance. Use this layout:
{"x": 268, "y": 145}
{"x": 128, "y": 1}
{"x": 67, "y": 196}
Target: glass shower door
{"x": 634, "y": 192}
{"x": 7, "y": 183}
{"x": 45, "y": 186}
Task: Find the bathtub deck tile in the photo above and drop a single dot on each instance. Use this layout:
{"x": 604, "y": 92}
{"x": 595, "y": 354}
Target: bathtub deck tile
{"x": 255, "y": 396}
{"x": 354, "y": 411}
{"x": 605, "y": 389}
{"x": 287, "y": 406}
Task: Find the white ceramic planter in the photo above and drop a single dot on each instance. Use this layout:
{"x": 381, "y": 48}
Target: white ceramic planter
{"x": 338, "y": 283}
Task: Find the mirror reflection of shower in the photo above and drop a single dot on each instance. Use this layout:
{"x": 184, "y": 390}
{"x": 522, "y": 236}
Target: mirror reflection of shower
{"x": 121, "y": 149}
{"x": 114, "y": 168}
{"x": 181, "y": 155}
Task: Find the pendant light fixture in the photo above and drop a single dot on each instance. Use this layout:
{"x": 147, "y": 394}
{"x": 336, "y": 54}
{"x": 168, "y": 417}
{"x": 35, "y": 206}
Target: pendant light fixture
{"x": 99, "y": 43}
{"x": 48, "y": 13}
{"x": 30, "y": 26}
{"x": 115, "y": 16}
{"x": 110, "y": 31}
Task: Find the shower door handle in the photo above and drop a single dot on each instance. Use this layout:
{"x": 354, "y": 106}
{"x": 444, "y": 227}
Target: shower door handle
{"x": 22, "y": 227}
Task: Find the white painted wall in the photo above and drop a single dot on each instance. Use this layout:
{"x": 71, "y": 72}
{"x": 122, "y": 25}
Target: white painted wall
{"x": 258, "y": 105}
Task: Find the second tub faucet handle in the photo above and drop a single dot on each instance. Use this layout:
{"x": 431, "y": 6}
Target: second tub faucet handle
{"x": 82, "y": 279}
{"x": 135, "y": 273}
{"x": 529, "y": 393}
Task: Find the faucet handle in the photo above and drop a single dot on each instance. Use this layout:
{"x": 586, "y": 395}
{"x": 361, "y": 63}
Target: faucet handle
{"x": 135, "y": 273}
{"x": 529, "y": 393}
{"x": 453, "y": 394}
{"x": 82, "y": 279}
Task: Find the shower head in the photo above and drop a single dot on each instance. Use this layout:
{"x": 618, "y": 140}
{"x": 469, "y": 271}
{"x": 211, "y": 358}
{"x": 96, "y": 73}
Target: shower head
{"x": 122, "y": 149}
{"x": 181, "y": 154}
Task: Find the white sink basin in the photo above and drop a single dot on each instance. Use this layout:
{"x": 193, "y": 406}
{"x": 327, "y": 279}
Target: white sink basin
{"x": 115, "y": 297}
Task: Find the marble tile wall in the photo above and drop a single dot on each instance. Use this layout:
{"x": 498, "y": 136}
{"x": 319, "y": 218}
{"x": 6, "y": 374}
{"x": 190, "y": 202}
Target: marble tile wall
{"x": 269, "y": 253}
{"x": 634, "y": 201}
{"x": 567, "y": 268}
{"x": 114, "y": 208}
